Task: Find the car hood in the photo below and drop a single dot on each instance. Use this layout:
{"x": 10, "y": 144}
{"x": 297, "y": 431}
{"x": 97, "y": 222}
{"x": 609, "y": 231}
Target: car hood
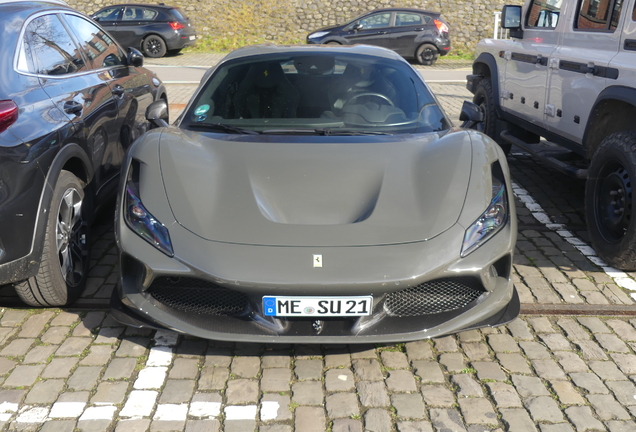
{"x": 276, "y": 191}
{"x": 328, "y": 28}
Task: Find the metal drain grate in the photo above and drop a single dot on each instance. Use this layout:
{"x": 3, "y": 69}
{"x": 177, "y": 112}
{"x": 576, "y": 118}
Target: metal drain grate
{"x": 198, "y": 296}
{"x": 442, "y": 295}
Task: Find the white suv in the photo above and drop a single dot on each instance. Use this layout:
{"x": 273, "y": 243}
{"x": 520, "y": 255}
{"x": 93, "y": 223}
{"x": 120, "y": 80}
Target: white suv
{"x": 569, "y": 75}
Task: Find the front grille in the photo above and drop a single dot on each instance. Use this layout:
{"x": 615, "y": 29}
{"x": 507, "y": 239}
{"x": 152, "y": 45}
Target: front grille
{"x": 198, "y": 296}
{"x": 442, "y": 295}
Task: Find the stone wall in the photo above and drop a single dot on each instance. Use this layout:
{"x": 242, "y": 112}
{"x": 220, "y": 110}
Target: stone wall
{"x": 290, "y": 20}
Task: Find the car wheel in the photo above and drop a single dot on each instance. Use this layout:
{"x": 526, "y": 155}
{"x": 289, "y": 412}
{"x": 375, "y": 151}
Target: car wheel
{"x": 609, "y": 201}
{"x": 426, "y": 54}
{"x": 484, "y": 98}
{"x": 65, "y": 256}
{"x": 154, "y": 46}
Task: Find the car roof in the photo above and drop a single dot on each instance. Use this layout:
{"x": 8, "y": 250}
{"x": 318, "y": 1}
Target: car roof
{"x": 255, "y": 50}
{"x": 422, "y": 11}
{"x": 59, "y": 2}
{"x": 146, "y": 5}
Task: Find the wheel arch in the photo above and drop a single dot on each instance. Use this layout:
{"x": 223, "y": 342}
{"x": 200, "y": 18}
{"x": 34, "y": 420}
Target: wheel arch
{"x": 71, "y": 158}
{"x": 613, "y": 111}
{"x": 485, "y": 66}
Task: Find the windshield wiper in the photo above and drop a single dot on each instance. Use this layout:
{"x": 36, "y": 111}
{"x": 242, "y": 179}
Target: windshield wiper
{"x": 325, "y": 132}
{"x": 224, "y": 127}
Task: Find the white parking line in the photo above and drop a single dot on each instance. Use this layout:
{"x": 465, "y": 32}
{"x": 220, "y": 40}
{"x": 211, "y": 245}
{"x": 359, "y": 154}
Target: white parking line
{"x": 621, "y": 279}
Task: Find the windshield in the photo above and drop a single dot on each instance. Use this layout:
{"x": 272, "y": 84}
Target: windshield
{"x": 326, "y": 93}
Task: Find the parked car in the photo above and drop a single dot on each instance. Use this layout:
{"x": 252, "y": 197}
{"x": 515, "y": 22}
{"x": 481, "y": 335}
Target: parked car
{"x": 412, "y": 33}
{"x": 568, "y": 75}
{"x": 154, "y": 29}
{"x": 314, "y": 195}
{"x": 71, "y": 102}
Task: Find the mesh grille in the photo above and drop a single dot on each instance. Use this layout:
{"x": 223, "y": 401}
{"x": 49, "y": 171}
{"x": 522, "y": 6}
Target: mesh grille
{"x": 198, "y": 296}
{"x": 442, "y": 295}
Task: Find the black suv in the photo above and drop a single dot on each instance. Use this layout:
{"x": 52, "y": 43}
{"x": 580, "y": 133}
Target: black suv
{"x": 155, "y": 29}
{"x": 412, "y": 33}
{"x": 71, "y": 102}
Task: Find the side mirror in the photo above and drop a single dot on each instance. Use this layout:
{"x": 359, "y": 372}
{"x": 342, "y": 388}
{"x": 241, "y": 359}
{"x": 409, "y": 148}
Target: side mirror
{"x": 472, "y": 116}
{"x": 511, "y": 17}
{"x": 135, "y": 58}
{"x": 356, "y": 27}
{"x": 511, "y": 20}
{"x": 157, "y": 113}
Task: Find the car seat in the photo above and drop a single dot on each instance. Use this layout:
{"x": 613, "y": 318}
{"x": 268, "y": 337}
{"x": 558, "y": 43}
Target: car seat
{"x": 265, "y": 93}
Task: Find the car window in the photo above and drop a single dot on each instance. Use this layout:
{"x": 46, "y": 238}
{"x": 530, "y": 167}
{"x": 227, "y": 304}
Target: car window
{"x": 51, "y": 48}
{"x": 178, "y": 15}
{"x": 594, "y": 14}
{"x": 544, "y": 13}
{"x": 376, "y": 21}
{"x": 138, "y": 14}
{"x": 108, "y": 14}
{"x": 99, "y": 47}
{"x": 408, "y": 19}
{"x": 316, "y": 92}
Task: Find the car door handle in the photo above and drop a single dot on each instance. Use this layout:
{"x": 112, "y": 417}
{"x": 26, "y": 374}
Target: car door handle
{"x": 382, "y": 32}
{"x": 73, "y": 107}
{"x": 420, "y": 29}
{"x": 118, "y": 90}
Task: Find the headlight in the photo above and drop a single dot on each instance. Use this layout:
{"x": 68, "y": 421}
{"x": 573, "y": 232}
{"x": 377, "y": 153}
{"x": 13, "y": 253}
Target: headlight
{"x": 493, "y": 219}
{"x": 318, "y": 34}
{"x": 139, "y": 219}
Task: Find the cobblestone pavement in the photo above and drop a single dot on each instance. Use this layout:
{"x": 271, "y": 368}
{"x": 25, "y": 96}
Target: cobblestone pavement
{"x": 78, "y": 369}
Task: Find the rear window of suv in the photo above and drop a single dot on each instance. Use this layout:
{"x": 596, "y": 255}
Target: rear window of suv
{"x": 593, "y": 15}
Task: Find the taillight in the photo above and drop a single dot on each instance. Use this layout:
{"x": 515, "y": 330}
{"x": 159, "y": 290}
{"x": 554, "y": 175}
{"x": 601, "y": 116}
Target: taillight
{"x": 8, "y": 114}
{"x": 176, "y": 25}
{"x": 442, "y": 27}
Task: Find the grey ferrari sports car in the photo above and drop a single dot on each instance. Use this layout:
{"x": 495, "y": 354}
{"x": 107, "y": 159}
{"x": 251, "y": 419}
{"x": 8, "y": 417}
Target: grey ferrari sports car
{"x": 314, "y": 194}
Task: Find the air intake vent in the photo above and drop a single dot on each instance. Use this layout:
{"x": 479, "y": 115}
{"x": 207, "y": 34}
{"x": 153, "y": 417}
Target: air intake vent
{"x": 198, "y": 296}
{"x": 442, "y": 295}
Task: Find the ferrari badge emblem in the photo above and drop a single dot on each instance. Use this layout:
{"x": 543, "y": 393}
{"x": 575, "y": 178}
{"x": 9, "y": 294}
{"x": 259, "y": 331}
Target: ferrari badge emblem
{"x": 317, "y": 260}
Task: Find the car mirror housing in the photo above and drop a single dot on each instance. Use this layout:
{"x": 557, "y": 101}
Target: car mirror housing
{"x": 471, "y": 115}
{"x": 157, "y": 113}
{"x": 511, "y": 20}
{"x": 356, "y": 27}
{"x": 135, "y": 58}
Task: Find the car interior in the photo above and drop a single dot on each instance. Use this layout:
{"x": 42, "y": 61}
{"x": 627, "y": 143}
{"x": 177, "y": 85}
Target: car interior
{"x": 319, "y": 88}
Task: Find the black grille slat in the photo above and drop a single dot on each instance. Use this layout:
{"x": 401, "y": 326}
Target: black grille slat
{"x": 438, "y": 296}
{"x": 198, "y": 296}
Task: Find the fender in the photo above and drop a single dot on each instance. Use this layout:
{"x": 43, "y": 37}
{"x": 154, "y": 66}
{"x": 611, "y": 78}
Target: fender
{"x": 27, "y": 266}
{"x": 488, "y": 60}
{"x": 620, "y": 93}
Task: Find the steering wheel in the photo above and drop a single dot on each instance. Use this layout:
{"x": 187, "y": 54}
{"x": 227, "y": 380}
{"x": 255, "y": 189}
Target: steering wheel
{"x": 377, "y": 95}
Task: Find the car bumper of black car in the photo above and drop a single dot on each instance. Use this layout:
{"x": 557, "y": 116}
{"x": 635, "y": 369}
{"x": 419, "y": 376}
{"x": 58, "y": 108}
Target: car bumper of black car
{"x": 186, "y": 299}
{"x": 181, "y": 40}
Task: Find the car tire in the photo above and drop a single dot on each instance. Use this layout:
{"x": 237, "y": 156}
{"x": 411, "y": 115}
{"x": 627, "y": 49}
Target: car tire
{"x": 609, "y": 202}
{"x": 154, "y": 46}
{"x": 426, "y": 54}
{"x": 66, "y": 252}
{"x": 484, "y": 98}
{"x": 333, "y": 43}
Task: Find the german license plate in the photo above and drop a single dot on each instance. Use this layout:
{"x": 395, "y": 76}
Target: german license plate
{"x": 317, "y": 306}
{"x": 193, "y": 37}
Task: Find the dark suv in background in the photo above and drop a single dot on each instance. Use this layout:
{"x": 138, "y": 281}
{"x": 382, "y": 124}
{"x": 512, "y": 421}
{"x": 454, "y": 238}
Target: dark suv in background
{"x": 71, "y": 102}
{"x": 412, "y": 33}
{"x": 155, "y": 29}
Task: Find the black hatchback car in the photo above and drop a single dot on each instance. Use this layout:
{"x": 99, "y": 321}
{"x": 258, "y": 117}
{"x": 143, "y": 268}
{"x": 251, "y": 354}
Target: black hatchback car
{"x": 71, "y": 102}
{"x": 155, "y": 29}
{"x": 412, "y": 33}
